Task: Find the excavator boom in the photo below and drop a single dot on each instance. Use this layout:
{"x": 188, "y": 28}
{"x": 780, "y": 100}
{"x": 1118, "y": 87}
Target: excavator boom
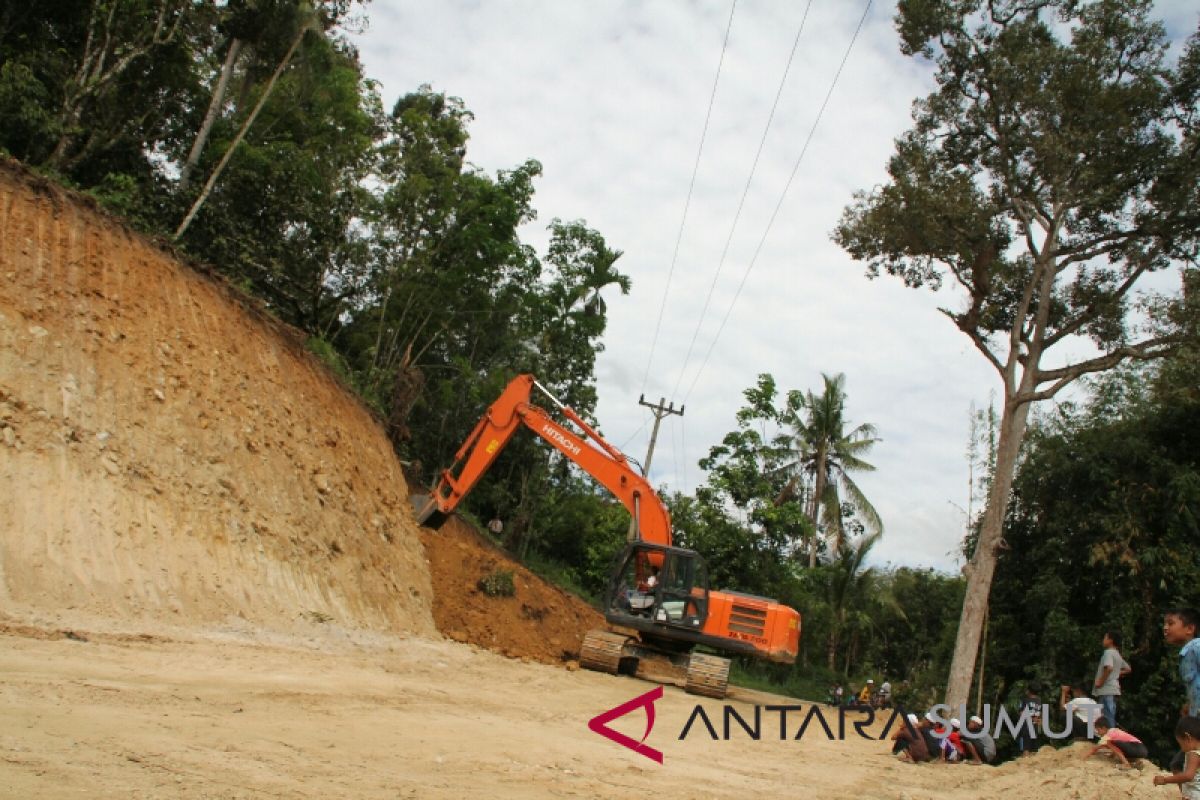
{"x": 604, "y": 462}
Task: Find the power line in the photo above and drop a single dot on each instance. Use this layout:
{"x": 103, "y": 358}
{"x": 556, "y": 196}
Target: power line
{"x": 782, "y": 196}
{"x": 742, "y": 202}
{"x": 688, "y": 202}
{"x": 632, "y": 436}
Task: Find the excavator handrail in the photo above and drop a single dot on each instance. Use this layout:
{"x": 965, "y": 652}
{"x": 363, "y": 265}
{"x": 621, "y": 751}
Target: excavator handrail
{"x": 590, "y": 452}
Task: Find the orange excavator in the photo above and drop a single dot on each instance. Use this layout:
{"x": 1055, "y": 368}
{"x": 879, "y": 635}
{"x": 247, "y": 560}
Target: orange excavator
{"x": 657, "y": 601}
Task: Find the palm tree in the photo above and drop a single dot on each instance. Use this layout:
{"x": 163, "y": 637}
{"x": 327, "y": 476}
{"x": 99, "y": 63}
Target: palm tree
{"x": 825, "y": 455}
{"x": 848, "y": 588}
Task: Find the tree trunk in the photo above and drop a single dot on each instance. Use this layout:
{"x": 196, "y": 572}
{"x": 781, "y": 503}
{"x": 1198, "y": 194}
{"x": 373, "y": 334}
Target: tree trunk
{"x": 982, "y": 566}
{"x": 818, "y": 492}
{"x": 241, "y": 134}
{"x": 833, "y": 643}
{"x": 214, "y": 108}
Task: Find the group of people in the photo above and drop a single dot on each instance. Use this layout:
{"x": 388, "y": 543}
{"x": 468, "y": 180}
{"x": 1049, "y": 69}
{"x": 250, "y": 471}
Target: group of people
{"x": 1180, "y": 626}
{"x": 925, "y": 739}
{"x": 867, "y": 697}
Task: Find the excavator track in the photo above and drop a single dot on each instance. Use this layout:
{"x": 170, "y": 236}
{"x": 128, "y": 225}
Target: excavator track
{"x": 707, "y": 676}
{"x": 602, "y": 651}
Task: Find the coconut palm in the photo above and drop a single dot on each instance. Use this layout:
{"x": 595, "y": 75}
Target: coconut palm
{"x": 825, "y": 455}
{"x": 847, "y": 591}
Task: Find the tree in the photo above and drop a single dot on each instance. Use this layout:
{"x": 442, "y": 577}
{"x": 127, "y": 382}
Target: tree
{"x": 827, "y": 453}
{"x": 285, "y": 219}
{"x": 116, "y": 40}
{"x": 748, "y": 472}
{"x": 308, "y": 19}
{"x": 1054, "y": 168}
{"x": 92, "y": 89}
{"x": 848, "y": 588}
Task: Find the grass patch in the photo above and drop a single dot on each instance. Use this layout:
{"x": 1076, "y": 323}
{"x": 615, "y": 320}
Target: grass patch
{"x": 498, "y": 584}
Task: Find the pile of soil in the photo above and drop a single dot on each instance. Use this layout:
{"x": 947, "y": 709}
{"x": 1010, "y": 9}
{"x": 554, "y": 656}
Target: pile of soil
{"x": 168, "y": 451}
{"x": 1049, "y": 773}
{"x": 540, "y": 621}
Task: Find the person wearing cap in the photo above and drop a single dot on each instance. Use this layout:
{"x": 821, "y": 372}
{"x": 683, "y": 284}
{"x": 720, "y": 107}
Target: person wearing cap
{"x": 910, "y": 741}
{"x": 864, "y": 696}
{"x": 952, "y": 743}
{"x": 979, "y": 745}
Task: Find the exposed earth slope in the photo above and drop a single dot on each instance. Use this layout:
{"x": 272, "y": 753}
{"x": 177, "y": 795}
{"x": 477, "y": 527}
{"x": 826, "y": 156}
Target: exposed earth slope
{"x": 169, "y": 452}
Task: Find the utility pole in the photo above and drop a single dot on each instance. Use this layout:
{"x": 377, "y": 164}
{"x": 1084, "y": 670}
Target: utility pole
{"x": 660, "y": 411}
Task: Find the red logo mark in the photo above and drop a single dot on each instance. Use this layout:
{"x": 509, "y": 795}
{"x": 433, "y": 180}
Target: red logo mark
{"x": 599, "y": 724}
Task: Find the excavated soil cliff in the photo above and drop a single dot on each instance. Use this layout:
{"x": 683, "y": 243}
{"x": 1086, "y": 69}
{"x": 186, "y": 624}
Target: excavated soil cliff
{"x": 167, "y": 451}
{"x": 538, "y": 621}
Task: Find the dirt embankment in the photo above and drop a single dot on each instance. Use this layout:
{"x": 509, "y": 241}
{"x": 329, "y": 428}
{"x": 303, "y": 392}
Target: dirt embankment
{"x": 539, "y": 621}
{"x": 166, "y": 451}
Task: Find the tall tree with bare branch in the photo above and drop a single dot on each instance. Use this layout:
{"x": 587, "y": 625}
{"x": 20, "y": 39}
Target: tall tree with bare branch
{"x": 1052, "y": 178}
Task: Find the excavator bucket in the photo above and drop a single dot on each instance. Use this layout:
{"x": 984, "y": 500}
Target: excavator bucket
{"x": 426, "y": 511}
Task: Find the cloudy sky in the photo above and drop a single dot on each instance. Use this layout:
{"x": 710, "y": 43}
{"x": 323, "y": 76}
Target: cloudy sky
{"x": 612, "y": 98}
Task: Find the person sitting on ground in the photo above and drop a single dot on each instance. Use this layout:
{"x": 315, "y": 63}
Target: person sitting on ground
{"x": 1074, "y": 700}
{"x": 978, "y": 744}
{"x": 864, "y": 696}
{"x": 1187, "y": 734}
{"x": 909, "y": 741}
{"x": 1122, "y": 744}
{"x": 931, "y": 731}
{"x": 953, "y": 749}
{"x": 883, "y": 698}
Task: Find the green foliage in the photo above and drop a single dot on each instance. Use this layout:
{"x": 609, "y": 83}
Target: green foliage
{"x": 497, "y": 584}
{"x": 750, "y": 524}
{"x": 1102, "y": 533}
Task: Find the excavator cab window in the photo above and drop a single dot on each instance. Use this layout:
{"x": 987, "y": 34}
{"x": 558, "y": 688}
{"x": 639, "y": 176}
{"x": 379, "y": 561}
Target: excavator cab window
{"x": 684, "y": 590}
{"x": 660, "y": 584}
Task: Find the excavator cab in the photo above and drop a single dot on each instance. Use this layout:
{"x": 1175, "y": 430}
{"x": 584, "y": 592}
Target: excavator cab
{"x": 655, "y": 585}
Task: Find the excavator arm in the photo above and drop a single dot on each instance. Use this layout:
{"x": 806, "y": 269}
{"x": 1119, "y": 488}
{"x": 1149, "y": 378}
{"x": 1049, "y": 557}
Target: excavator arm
{"x": 604, "y": 462}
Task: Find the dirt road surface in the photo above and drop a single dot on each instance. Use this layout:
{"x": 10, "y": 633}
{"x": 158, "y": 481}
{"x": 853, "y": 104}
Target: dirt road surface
{"x": 245, "y": 713}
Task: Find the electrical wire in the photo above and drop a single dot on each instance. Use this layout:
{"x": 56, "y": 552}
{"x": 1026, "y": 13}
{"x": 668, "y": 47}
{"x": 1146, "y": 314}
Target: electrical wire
{"x": 688, "y": 202}
{"x": 782, "y": 196}
{"x": 742, "y": 202}
{"x": 632, "y": 436}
